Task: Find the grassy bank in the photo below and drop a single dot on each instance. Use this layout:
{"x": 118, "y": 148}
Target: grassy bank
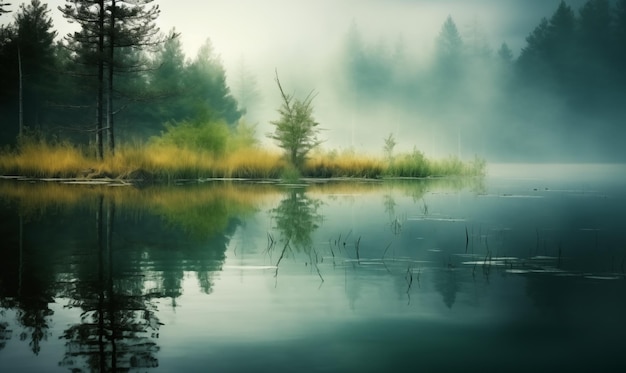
{"x": 42, "y": 159}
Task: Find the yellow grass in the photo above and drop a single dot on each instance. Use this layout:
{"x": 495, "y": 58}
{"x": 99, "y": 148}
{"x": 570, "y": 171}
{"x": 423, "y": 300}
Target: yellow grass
{"x": 63, "y": 160}
{"x": 168, "y": 162}
{"x": 344, "y": 165}
{"x": 41, "y": 159}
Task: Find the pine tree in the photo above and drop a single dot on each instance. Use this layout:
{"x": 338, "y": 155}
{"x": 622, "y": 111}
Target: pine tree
{"x": 620, "y": 40}
{"x": 595, "y": 48}
{"x": 130, "y": 25}
{"x": 35, "y": 38}
{"x": 505, "y": 53}
{"x": 106, "y": 26}
{"x": 549, "y": 56}
{"x": 449, "y": 53}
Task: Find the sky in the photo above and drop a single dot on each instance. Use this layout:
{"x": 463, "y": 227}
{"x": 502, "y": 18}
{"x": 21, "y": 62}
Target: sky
{"x": 270, "y": 31}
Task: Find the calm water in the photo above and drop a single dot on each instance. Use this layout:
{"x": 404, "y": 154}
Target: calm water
{"x": 520, "y": 271}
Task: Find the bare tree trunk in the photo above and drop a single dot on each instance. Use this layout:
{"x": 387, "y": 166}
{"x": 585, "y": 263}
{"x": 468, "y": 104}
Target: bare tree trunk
{"x": 100, "y": 97}
{"x": 21, "y": 93}
{"x": 111, "y": 134}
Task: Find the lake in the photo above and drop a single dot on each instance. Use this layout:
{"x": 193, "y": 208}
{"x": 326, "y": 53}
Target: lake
{"x": 522, "y": 270}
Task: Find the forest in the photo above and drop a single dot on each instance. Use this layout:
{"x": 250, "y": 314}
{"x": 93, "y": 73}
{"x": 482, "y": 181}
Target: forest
{"x": 120, "y": 80}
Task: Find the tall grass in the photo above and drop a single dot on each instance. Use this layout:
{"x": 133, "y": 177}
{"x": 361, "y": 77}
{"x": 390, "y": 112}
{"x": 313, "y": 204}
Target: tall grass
{"x": 40, "y": 159}
{"x": 343, "y": 165}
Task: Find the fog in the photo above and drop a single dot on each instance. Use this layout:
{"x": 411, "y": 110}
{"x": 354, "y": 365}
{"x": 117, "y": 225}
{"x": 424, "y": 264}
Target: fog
{"x": 307, "y": 43}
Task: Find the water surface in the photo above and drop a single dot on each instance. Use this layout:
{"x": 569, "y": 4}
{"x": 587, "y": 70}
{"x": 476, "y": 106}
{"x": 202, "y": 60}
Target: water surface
{"x": 520, "y": 271}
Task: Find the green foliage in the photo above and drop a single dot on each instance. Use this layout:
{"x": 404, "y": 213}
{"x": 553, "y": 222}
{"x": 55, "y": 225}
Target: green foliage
{"x": 295, "y": 131}
{"x": 412, "y": 164}
{"x": 243, "y": 136}
{"x": 290, "y": 174}
{"x": 297, "y": 217}
{"x": 190, "y": 90}
{"x": 211, "y": 136}
{"x": 208, "y": 135}
{"x": 31, "y": 38}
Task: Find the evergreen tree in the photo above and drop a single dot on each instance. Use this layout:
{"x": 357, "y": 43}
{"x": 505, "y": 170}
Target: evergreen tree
{"x": 549, "y": 56}
{"x": 536, "y": 46}
{"x": 451, "y": 63}
{"x": 595, "y": 26}
{"x": 595, "y": 47}
{"x": 166, "y": 82}
{"x": 505, "y": 54}
{"x": 561, "y": 52}
{"x": 106, "y": 26}
{"x": 477, "y": 44}
{"x": 35, "y": 38}
{"x": 193, "y": 91}
{"x": 620, "y": 41}
{"x": 449, "y": 47}
{"x": 88, "y": 45}
{"x": 368, "y": 69}
{"x": 10, "y": 83}
{"x": 130, "y": 25}
{"x": 27, "y": 68}
{"x": 206, "y": 87}
{"x": 246, "y": 91}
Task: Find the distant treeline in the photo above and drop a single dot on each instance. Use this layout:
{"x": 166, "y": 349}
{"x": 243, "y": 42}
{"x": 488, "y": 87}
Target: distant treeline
{"x": 567, "y": 84}
{"x": 566, "y": 90}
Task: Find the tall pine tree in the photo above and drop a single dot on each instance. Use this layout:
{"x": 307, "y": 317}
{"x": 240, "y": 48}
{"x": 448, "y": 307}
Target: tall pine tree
{"x": 106, "y": 26}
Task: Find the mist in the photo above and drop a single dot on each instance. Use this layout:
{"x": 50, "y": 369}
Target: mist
{"x": 376, "y": 68}
{"x": 483, "y": 113}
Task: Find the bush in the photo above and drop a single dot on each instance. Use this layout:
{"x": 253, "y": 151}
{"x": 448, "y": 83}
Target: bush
{"x": 211, "y": 136}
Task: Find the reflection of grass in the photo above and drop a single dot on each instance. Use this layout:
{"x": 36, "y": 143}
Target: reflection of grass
{"x": 415, "y": 188}
{"x": 39, "y": 158}
{"x": 198, "y": 209}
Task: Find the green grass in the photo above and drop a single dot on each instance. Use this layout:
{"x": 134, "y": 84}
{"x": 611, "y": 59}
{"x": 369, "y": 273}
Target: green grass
{"x": 45, "y": 159}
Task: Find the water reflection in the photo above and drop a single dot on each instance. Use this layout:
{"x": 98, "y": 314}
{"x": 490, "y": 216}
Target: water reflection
{"x": 111, "y": 263}
{"x": 364, "y": 273}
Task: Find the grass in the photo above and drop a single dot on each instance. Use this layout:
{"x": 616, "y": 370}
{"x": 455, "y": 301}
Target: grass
{"x": 45, "y": 159}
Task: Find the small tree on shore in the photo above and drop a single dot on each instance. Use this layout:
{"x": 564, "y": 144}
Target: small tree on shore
{"x": 390, "y": 144}
{"x": 296, "y": 131}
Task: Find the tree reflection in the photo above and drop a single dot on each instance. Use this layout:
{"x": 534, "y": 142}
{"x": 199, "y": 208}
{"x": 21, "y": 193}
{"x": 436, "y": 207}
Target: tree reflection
{"x": 118, "y": 320}
{"x": 26, "y": 285}
{"x": 113, "y": 254}
{"x": 447, "y": 284}
{"x": 296, "y": 218}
